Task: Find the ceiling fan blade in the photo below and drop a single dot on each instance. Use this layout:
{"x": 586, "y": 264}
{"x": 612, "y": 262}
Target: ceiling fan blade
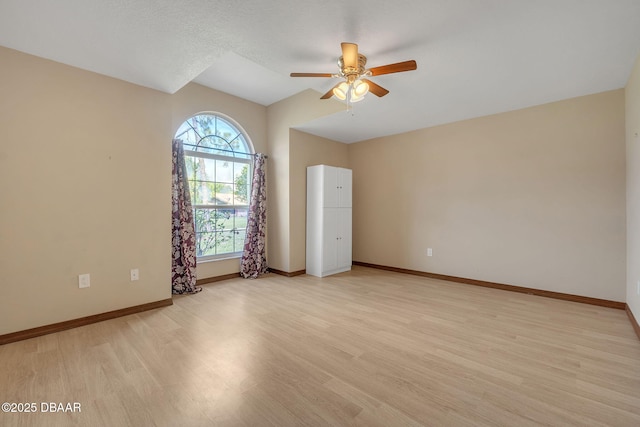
{"x": 311, "y": 75}
{"x": 350, "y": 54}
{"x": 376, "y": 89}
{"x": 394, "y": 68}
{"x": 330, "y": 93}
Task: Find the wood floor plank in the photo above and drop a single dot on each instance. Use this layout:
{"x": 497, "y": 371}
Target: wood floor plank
{"x": 362, "y": 348}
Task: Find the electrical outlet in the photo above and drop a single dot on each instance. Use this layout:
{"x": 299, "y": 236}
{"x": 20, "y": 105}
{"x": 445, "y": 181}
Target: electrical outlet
{"x": 135, "y": 274}
{"x": 429, "y": 252}
{"x": 84, "y": 280}
{"x": 638, "y": 289}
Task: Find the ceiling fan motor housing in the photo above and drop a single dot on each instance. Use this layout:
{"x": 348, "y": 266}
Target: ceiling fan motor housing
{"x": 352, "y": 73}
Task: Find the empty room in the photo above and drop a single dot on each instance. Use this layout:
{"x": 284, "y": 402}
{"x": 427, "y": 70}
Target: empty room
{"x": 286, "y": 213}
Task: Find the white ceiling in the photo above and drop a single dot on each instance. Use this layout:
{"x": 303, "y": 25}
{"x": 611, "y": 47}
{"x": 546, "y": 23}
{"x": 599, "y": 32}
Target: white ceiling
{"x": 475, "y": 57}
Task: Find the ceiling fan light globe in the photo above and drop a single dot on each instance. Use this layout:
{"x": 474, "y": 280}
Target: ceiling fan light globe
{"x": 355, "y": 96}
{"x": 360, "y": 89}
{"x": 341, "y": 91}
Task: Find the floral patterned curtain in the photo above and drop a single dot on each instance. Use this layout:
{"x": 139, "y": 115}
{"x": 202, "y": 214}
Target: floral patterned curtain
{"x": 183, "y": 240}
{"x": 254, "y": 260}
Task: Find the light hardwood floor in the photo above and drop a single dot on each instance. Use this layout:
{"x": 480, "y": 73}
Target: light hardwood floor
{"x": 368, "y": 347}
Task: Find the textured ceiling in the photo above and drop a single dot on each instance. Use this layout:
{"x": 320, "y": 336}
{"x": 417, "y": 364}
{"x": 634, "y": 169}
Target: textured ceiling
{"x": 475, "y": 57}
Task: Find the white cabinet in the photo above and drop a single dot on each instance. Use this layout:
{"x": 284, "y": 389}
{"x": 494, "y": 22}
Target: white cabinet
{"x": 336, "y": 183}
{"x": 328, "y": 220}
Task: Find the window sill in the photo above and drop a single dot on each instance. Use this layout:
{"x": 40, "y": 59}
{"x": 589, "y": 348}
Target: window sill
{"x": 225, "y": 257}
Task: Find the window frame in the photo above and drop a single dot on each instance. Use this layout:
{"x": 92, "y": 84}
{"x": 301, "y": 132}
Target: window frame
{"x": 235, "y": 157}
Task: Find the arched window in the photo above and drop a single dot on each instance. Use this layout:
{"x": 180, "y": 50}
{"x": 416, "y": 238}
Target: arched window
{"x": 218, "y": 156}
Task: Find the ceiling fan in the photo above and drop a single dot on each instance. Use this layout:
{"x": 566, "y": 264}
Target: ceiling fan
{"x": 352, "y": 68}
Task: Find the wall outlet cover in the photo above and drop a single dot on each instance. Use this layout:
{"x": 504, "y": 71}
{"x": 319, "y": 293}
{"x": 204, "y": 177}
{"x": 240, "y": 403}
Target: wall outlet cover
{"x": 84, "y": 280}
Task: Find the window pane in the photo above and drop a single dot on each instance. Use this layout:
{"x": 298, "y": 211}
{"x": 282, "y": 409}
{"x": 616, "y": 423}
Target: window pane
{"x": 191, "y": 165}
{"x": 217, "y": 231}
{"x": 184, "y": 128}
{"x": 208, "y": 220}
{"x": 188, "y": 136}
{"x": 239, "y": 240}
{"x": 220, "y": 231}
{"x": 204, "y": 193}
{"x": 220, "y": 219}
{"x": 215, "y": 145}
{"x": 241, "y": 147}
{"x": 225, "y": 219}
{"x": 213, "y": 134}
{"x": 203, "y": 124}
{"x": 240, "y": 218}
{"x": 224, "y": 194}
{"x": 224, "y": 171}
{"x": 225, "y": 242}
{"x": 205, "y": 244}
{"x": 205, "y": 169}
{"x": 241, "y": 184}
{"x": 225, "y": 130}
{"x": 198, "y": 193}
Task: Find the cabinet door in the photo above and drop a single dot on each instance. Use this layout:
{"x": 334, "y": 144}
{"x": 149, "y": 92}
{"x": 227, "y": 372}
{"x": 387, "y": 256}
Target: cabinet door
{"x": 344, "y": 238}
{"x": 330, "y": 239}
{"x": 336, "y": 187}
{"x": 344, "y": 179}
{"x": 330, "y": 197}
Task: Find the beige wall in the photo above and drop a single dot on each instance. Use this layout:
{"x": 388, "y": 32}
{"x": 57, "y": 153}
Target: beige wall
{"x": 307, "y": 150}
{"x": 252, "y": 117}
{"x": 281, "y": 117}
{"x": 632, "y": 109}
{"x": 532, "y": 198}
{"x": 85, "y": 186}
{"x": 85, "y": 178}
